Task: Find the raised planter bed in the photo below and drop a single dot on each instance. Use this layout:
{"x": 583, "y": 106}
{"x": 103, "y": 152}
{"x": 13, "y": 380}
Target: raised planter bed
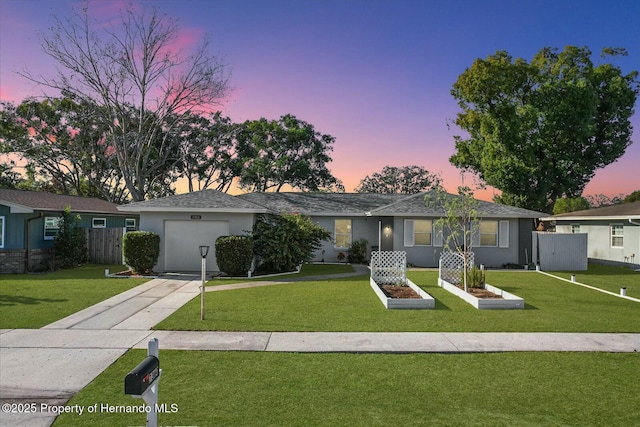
{"x": 508, "y": 301}
{"x": 425, "y": 302}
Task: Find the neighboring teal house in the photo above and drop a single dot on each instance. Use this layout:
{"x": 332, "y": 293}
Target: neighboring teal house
{"x": 29, "y": 222}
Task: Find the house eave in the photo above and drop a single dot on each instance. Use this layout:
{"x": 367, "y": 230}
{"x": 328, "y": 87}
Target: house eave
{"x": 15, "y": 208}
{"x": 187, "y": 209}
{"x": 623, "y": 218}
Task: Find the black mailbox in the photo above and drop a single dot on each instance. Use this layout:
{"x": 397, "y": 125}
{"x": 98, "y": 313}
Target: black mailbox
{"x": 142, "y": 376}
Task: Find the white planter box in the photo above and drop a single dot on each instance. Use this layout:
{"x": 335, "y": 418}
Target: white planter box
{"x": 426, "y": 300}
{"x": 508, "y": 302}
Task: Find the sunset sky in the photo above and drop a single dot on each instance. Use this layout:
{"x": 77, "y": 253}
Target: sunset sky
{"x": 375, "y": 74}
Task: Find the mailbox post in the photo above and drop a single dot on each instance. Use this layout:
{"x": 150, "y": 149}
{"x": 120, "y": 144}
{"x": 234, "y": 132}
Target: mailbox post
{"x": 204, "y": 251}
{"x": 142, "y": 382}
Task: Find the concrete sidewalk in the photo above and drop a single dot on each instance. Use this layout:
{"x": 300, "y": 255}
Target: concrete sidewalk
{"x": 51, "y": 364}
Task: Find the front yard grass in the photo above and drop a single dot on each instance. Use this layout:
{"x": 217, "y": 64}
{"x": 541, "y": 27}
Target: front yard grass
{"x": 35, "y": 300}
{"x": 293, "y": 389}
{"x": 606, "y": 277}
{"x": 349, "y": 304}
{"x": 307, "y": 270}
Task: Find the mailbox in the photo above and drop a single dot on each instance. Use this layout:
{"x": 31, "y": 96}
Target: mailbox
{"x": 142, "y": 376}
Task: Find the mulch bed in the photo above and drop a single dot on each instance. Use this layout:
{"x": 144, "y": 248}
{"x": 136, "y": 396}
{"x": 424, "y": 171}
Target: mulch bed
{"x": 130, "y": 273}
{"x": 393, "y": 291}
{"x": 481, "y": 293}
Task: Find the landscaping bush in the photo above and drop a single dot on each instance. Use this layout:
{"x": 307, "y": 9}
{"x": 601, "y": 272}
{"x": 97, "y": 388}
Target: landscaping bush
{"x": 475, "y": 277}
{"x": 282, "y": 242}
{"x": 358, "y": 252}
{"x": 141, "y": 250}
{"x": 70, "y": 245}
{"x": 234, "y": 254}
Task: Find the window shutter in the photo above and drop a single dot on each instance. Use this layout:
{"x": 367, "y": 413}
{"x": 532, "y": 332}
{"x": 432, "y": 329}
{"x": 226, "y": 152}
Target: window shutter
{"x": 475, "y": 238}
{"x": 408, "y": 233}
{"x": 503, "y": 234}
{"x": 438, "y": 239}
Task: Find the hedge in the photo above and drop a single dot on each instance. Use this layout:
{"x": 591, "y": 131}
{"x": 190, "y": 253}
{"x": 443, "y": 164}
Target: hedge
{"x": 141, "y": 250}
{"x": 234, "y": 254}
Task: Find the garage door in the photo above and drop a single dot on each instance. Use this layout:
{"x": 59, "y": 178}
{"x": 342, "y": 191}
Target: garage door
{"x": 182, "y": 239}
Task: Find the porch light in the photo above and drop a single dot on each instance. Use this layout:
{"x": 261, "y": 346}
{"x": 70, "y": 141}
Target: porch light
{"x": 387, "y": 231}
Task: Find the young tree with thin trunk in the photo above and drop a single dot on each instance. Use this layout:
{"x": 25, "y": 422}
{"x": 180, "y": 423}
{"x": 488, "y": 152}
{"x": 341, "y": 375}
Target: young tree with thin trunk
{"x": 459, "y": 223}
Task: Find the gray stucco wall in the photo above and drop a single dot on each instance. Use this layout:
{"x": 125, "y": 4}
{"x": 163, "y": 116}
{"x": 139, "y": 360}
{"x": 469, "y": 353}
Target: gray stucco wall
{"x": 420, "y": 256}
{"x": 361, "y": 227}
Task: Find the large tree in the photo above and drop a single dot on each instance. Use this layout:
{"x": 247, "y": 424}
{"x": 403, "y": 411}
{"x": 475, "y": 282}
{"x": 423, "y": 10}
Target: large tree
{"x": 64, "y": 145}
{"x": 207, "y": 151}
{"x": 287, "y": 151}
{"x": 538, "y": 131}
{"x": 140, "y": 81}
{"x": 402, "y": 180}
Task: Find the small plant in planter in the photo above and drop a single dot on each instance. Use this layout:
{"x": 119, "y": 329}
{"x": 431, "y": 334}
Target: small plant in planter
{"x": 341, "y": 256}
{"x": 476, "y": 277}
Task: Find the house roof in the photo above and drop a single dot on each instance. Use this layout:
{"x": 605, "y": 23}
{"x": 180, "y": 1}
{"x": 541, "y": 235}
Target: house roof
{"x": 416, "y": 205}
{"x": 331, "y": 204}
{"x": 22, "y": 201}
{"x": 622, "y": 211}
{"x": 321, "y": 204}
{"x": 197, "y": 201}
{"x": 316, "y": 204}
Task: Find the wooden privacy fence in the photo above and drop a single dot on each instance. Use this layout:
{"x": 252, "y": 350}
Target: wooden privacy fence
{"x": 104, "y": 245}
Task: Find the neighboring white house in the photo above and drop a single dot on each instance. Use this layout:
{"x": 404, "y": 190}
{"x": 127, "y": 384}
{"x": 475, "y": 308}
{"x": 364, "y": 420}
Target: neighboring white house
{"x": 613, "y": 231}
{"x": 388, "y": 221}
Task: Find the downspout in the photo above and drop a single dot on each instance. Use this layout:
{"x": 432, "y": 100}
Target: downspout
{"x": 28, "y": 237}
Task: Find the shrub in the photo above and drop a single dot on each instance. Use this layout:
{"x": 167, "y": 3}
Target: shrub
{"x": 141, "y": 250}
{"x": 234, "y": 254}
{"x": 475, "y": 277}
{"x": 70, "y": 245}
{"x": 358, "y": 252}
{"x": 282, "y": 242}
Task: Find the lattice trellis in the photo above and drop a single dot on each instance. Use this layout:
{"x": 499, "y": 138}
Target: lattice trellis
{"x": 451, "y": 266}
{"x": 389, "y": 267}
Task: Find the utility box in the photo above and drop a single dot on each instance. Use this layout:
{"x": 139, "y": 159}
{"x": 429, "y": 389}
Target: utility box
{"x": 142, "y": 376}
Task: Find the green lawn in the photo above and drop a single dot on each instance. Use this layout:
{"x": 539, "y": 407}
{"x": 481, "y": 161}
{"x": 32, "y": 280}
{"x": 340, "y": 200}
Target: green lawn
{"x": 349, "y": 304}
{"x": 288, "y": 389}
{"x": 35, "y": 300}
{"x": 307, "y": 270}
{"x": 607, "y": 278}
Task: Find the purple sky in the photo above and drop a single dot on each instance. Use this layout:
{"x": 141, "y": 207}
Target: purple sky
{"x": 375, "y": 74}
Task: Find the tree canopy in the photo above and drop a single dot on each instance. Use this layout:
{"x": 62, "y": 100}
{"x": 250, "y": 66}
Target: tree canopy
{"x": 401, "y": 180}
{"x": 538, "y": 131}
{"x": 66, "y": 149}
{"x": 287, "y": 151}
{"x": 570, "y": 204}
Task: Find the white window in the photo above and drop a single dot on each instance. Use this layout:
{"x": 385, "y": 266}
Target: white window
{"x": 488, "y": 233}
{"x": 130, "y": 223}
{"x": 1, "y": 232}
{"x": 575, "y": 228}
{"x": 617, "y": 236}
{"x": 51, "y": 227}
{"x": 99, "y": 223}
{"x": 342, "y": 233}
{"x": 418, "y": 232}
